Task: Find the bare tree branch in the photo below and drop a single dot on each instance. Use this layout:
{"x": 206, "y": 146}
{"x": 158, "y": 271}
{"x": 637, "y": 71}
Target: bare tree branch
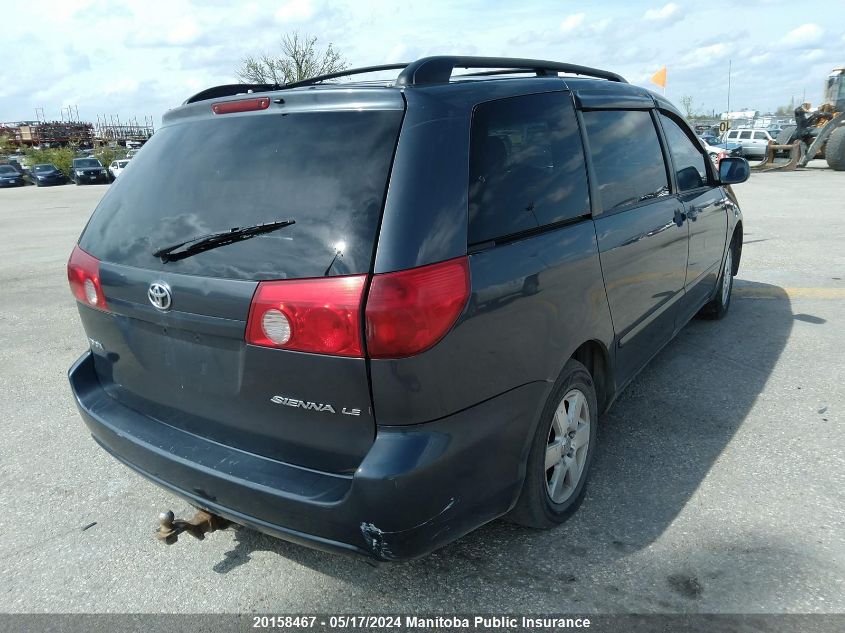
{"x": 300, "y": 59}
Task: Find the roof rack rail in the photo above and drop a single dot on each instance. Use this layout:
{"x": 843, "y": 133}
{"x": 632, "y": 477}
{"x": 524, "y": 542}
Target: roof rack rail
{"x": 429, "y": 70}
{"x": 229, "y": 90}
{"x": 344, "y": 73}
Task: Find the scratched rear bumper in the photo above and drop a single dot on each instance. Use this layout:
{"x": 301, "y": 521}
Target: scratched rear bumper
{"x": 418, "y": 488}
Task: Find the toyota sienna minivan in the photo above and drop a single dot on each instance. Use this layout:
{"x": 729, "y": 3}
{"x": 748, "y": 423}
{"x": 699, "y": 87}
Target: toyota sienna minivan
{"x": 374, "y": 316}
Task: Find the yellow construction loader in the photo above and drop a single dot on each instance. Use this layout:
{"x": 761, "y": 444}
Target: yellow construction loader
{"x": 828, "y": 132}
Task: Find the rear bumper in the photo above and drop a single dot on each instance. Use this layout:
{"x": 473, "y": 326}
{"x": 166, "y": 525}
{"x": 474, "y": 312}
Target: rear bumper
{"x": 88, "y": 180}
{"x": 418, "y": 488}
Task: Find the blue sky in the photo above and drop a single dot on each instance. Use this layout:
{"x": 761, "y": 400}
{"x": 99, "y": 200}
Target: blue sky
{"x": 141, "y": 57}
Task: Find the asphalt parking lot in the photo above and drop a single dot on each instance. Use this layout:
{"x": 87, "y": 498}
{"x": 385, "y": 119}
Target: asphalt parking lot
{"x": 719, "y": 484}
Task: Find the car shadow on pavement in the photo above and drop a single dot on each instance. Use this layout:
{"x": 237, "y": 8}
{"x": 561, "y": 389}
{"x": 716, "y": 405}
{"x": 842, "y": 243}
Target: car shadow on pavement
{"x": 655, "y": 447}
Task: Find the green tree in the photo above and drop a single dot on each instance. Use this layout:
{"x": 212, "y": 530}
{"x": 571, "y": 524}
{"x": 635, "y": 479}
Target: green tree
{"x": 300, "y": 59}
{"x": 106, "y": 154}
{"x": 6, "y": 144}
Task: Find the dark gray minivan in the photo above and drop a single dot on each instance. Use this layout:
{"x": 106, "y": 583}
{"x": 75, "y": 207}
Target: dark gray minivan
{"x": 371, "y": 317}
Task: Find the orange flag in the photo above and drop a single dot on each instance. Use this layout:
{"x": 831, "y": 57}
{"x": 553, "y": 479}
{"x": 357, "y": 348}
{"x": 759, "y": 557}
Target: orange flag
{"x": 659, "y": 77}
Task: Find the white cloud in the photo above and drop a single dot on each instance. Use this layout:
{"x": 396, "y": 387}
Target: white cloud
{"x": 664, "y": 13}
{"x": 704, "y": 56}
{"x": 184, "y": 32}
{"x": 397, "y": 54}
{"x": 193, "y": 44}
{"x": 572, "y": 22}
{"x": 295, "y": 11}
{"x": 179, "y": 32}
{"x": 804, "y": 35}
{"x": 812, "y": 55}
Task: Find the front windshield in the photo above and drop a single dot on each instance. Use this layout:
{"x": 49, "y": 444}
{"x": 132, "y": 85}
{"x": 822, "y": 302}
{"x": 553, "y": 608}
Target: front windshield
{"x": 7, "y": 169}
{"x": 86, "y": 162}
{"x": 44, "y": 168}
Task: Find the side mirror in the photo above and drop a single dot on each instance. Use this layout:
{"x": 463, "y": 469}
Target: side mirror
{"x": 733, "y": 171}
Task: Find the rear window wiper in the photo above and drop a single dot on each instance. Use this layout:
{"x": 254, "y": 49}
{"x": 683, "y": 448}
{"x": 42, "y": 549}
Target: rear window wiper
{"x": 213, "y": 240}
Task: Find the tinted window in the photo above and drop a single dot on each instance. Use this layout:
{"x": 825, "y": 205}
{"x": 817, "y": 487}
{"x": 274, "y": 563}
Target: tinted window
{"x": 526, "y": 166}
{"x": 7, "y": 169}
{"x": 761, "y": 135}
{"x": 326, "y": 170}
{"x": 627, "y": 158}
{"x": 745, "y": 135}
{"x": 690, "y": 163}
{"x": 86, "y": 163}
{"x": 732, "y": 134}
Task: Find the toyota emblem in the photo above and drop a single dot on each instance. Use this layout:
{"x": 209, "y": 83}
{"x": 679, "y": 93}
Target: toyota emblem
{"x": 159, "y": 295}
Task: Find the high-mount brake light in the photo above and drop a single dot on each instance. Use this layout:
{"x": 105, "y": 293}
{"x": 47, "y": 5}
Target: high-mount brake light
{"x": 322, "y": 315}
{"x": 411, "y": 310}
{"x": 83, "y": 274}
{"x": 241, "y": 105}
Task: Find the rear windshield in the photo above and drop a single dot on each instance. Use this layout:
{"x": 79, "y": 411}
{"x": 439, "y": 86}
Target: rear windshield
{"x": 7, "y": 169}
{"x": 326, "y": 170}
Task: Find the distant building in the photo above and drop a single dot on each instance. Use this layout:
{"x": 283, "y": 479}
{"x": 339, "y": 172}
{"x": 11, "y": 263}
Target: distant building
{"x": 739, "y": 114}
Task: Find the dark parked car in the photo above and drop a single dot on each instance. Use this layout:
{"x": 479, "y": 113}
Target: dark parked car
{"x": 434, "y": 289}
{"x": 10, "y": 177}
{"x": 45, "y": 174}
{"x": 85, "y": 171}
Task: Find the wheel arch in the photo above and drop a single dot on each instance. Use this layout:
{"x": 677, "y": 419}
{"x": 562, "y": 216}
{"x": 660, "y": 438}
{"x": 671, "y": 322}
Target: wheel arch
{"x": 595, "y": 357}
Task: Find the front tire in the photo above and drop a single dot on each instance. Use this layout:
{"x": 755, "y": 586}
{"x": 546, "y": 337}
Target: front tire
{"x": 561, "y": 452}
{"x": 835, "y": 149}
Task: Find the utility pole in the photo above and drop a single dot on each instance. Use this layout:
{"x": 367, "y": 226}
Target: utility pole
{"x": 729, "y": 86}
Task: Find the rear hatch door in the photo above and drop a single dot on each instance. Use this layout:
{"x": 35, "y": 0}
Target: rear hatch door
{"x": 319, "y": 157}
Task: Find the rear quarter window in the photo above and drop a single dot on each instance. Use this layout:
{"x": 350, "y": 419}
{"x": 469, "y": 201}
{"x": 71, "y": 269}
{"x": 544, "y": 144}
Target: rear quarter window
{"x": 527, "y": 166}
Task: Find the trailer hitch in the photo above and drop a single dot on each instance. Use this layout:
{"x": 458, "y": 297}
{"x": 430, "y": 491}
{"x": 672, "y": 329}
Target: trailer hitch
{"x": 203, "y": 522}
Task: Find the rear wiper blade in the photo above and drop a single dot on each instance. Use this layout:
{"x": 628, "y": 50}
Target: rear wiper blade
{"x": 213, "y": 240}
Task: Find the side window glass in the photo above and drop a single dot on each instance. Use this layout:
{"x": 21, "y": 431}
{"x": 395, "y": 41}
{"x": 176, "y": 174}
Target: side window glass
{"x": 745, "y": 136}
{"x": 627, "y": 158}
{"x": 760, "y": 135}
{"x": 526, "y": 166}
{"x": 690, "y": 162}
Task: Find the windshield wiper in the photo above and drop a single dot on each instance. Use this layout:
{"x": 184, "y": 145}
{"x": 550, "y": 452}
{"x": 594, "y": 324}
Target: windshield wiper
{"x": 213, "y": 240}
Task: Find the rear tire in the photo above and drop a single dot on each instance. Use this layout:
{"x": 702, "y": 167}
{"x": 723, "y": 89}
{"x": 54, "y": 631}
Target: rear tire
{"x": 835, "y": 149}
{"x": 717, "y": 308}
{"x": 561, "y": 452}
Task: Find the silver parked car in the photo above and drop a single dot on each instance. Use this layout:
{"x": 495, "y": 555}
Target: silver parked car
{"x": 754, "y": 141}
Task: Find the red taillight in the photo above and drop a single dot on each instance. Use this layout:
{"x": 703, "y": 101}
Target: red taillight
{"x": 83, "y": 273}
{"x": 308, "y": 315}
{"x": 241, "y": 105}
{"x": 411, "y": 310}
